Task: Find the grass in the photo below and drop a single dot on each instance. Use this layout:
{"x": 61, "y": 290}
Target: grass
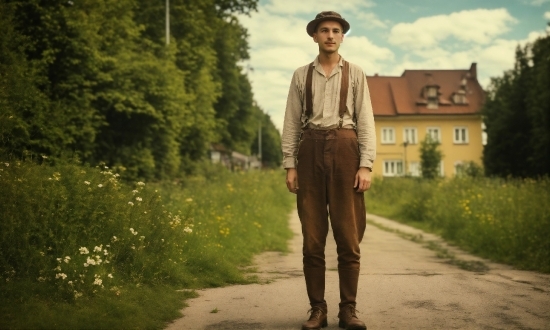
{"x": 80, "y": 248}
{"x": 503, "y": 220}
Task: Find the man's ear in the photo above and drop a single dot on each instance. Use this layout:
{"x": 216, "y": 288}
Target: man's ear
{"x": 315, "y": 38}
{"x": 343, "y": 37}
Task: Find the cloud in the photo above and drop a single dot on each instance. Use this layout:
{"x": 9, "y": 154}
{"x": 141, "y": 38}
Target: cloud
{"x": 547, "y": 15}
{"x": 293, "y": 7}
{"x": 478, "y": 26}
{"x": 537, "y": 2}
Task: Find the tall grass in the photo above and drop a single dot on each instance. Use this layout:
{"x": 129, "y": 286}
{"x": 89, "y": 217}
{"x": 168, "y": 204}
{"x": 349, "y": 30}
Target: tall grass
{"x": 504, "y": 220}
{"x": 73, "y": 236}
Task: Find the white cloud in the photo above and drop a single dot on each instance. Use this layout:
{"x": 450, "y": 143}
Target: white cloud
{"x": 478, "y": 26}
{"x": 547, "y": 15}
{"x": 293, "y": 7}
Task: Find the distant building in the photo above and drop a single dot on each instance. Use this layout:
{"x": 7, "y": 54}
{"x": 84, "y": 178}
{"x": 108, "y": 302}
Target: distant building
{"x": 445, "y": 104}
{"x": 232, "y": 160}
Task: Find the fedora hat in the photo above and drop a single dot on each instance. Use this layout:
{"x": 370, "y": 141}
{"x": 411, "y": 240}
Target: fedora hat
{"x": 326, "y": 16}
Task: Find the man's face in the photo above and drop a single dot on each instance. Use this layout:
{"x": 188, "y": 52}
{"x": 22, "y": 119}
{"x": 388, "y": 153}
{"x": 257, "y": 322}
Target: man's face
{"x": 329, "y": 36}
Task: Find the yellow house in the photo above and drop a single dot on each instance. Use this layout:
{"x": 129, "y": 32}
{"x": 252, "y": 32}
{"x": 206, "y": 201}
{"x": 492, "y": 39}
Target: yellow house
{"x": 445, "y": 104}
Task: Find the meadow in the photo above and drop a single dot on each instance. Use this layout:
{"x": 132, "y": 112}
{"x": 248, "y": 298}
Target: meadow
{"x": 505, "y": 220}
{"x": 81, "y": 248}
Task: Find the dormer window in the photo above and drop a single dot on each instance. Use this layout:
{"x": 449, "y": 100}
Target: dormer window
{"x": 459, "y": 97}
{"x": 431, "y": 93}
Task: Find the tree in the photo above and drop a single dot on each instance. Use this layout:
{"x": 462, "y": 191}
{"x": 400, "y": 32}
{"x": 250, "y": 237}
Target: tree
{"x": 517, "y": 116}
{"x": 430, "y": 157}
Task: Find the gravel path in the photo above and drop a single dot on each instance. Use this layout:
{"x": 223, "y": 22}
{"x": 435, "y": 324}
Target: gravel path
{"x": 403, "y": 285}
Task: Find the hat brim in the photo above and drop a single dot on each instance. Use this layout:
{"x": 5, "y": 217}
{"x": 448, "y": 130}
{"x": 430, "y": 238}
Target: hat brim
{"x": 312, "y": 26}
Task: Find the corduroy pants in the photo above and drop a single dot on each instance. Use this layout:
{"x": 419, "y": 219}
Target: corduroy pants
{"x": 328, "y": 161}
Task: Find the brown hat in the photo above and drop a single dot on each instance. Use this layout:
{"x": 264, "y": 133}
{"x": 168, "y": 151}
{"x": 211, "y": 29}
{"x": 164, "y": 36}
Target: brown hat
{"x": 326, "y": 16}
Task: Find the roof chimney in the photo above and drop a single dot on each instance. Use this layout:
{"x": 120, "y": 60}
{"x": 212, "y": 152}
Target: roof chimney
{"x": 473, "y": 70}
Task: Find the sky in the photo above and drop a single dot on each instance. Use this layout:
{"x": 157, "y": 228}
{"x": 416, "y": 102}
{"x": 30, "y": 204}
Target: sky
{"x": 389, "y": 36}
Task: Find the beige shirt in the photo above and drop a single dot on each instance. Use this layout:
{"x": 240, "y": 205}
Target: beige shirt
{"x": 326, "y": 102}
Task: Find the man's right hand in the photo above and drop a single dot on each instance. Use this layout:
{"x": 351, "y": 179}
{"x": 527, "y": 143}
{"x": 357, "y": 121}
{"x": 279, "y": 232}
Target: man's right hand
{"x": 292, "y": 180}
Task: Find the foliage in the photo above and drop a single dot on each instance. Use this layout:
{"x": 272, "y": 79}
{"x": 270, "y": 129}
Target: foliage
{"x": 96, "y": 79}
{"x": 430, "y": 157}
{"x": 271, "y": 141}
{"x": 504, "y": 220}
{"x": 517, "y": 116}
{"x": 72, "y": 234}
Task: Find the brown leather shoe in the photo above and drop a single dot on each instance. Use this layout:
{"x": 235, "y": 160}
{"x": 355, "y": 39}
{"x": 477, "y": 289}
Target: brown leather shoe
{"x": 349, "y": 320}
{"x": 317, "y": 319}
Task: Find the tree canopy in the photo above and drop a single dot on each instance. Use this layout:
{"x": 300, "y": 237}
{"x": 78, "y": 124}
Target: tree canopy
{"x": 517, "y": 115}
{"x": 95, "y": 79}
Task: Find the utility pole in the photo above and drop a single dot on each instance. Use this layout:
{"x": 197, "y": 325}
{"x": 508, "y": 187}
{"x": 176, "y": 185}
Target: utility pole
{"x": 405, "y": 144}
{"x": 260, "y": 142}
{"x": 167, "y": 22}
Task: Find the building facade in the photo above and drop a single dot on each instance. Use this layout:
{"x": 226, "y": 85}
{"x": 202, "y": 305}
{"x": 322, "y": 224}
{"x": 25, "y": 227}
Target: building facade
{"x": 444, "y": 104}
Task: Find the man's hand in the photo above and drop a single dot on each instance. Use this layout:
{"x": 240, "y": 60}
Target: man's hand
{"x": 362, "y": 179}
{"x": 292, "y": 180}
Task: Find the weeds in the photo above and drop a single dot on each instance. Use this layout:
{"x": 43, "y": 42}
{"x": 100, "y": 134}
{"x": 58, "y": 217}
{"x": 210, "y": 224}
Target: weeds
{"x": 503, "y": 220}
{"x": 73, "y": 237}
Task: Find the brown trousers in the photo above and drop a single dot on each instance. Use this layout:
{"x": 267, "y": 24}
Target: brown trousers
{"x": 328, "y": 161}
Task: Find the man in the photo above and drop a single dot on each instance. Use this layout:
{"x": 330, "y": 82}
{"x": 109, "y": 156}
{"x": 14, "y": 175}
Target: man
{"x": 329, "y": 148}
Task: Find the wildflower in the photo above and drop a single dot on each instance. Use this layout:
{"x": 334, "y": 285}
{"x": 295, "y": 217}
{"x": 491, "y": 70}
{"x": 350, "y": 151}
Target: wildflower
{"x": 90, "y": 261}
{"x": 7, "y": 164}
{"x": 110, "y": 276}
{"x": 131, "y": 203}
{"x": 106, "y": 167}
{"x": 187, "y": 230}
{"x": 139, "y": 199}
{"x": 70, "y": 282}
{"x": 83, "y": 250}
{"x": 100, "y": 185}
{"x": 61, "y": 276}
{"x": 87, "y": 182}
{"x": 141, "y": 238}
{"x": 114, "y": 239}
{"x": 135, "y": 191}
{"x": 189, "y": 200}
{"x": 58, "y": 268}
{"x": 59, "y": 259}
{"x": 44, "y": 156}
{"x": 77, "y": 294}
{"x": 86, "y": 265}
{"x": 141, "y": 184}
{"x": 41, "y": 279}
{"x": 133, "y": 231}
{"x": 105, "y": 252}
{"x": 42, "y": 253}
{"x": 98, "y": 248}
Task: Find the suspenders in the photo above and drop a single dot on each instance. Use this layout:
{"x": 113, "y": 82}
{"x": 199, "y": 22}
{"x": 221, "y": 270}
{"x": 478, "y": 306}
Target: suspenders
{"x": 344, "y": 86}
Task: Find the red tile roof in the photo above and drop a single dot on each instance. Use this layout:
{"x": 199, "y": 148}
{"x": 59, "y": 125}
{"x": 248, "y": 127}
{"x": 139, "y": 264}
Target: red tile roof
{"x": 406, "y": 95}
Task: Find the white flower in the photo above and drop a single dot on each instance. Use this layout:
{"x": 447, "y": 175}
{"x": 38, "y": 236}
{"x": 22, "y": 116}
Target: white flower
{"x": 59, "y": 259}
{"x": 188, "y": 200}
{"x": 135, "y": 191}
{"x": 133, "y": 231}
{"x": 100, "y": 185}
{"x": 139, "y": 183}
{"x": 83, "y": 250}
{"x": 131, "y": 203}
{"x": 187, "y": 230}
{"x": 114, "y": 239}
{"x": 98, "y": 248}
{"x": 138, "y": 199}
{"x": 61, "y": 276}
{"x": 70, "y": 282}
{"x": 106, "y": 167}
{"x": 87, "y": 182}
{"x": 58, "y": 268}
{"x": 86, "y": 265}
{"x": 90, "y": 261}
{"x": 110, "y": 276}
{"x": 105, "y": 252}
{"x": 45, "y": 157}
{"x": 8, "y": 164}
{"x": 67, "y": 259}
{"x": 98, "y": 281}
{"x": 41, "y": 279}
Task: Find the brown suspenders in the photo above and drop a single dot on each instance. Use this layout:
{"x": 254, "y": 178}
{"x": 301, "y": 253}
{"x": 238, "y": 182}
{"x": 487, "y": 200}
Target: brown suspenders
{"x": 343, "y": 92}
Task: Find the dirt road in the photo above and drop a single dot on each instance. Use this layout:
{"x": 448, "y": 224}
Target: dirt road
{"x": 403, "y": 285}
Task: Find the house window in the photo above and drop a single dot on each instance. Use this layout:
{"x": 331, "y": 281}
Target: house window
{"x": 393, "y": 167}
{"x": 460, "y": 135}
{"x": 388, "y": 135}
{"x": 410, "y": 135}
{"x": 434, "y": 133}
{"x": 414, "y": 169}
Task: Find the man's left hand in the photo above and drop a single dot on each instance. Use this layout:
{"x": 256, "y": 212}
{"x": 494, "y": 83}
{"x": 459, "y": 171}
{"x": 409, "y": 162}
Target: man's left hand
{"x": 362, "y": 179}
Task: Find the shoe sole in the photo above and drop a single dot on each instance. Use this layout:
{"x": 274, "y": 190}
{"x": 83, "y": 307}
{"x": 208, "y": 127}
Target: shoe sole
{"x": 324, "y": 325}
{"x": 342, "y": 325}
